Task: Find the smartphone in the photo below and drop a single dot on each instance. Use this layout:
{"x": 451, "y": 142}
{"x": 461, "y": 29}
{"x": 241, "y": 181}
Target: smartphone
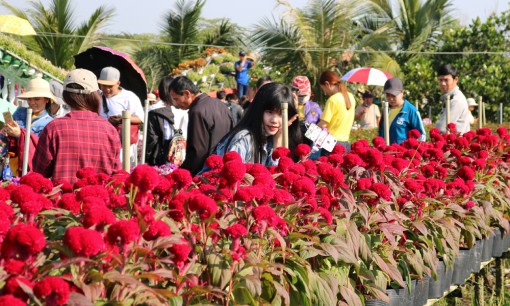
{"x": 7, "y": 117}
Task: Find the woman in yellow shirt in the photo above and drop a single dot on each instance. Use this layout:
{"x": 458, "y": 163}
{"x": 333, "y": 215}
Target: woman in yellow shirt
{"x": 338, "y": 115}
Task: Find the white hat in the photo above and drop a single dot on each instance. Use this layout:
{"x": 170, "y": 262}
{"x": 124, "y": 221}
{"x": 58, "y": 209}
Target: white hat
{"x": 84, "y": 78}
{"x": 151, "y": 97}
{"x": 471, "y": 102}
{"x": 109, "y": 76}
{"x": 37, "y": 88}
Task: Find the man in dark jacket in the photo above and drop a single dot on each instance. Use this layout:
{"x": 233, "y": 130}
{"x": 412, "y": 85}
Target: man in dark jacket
{"x": 159, "y": 135}
{"x": 209, "y": 121}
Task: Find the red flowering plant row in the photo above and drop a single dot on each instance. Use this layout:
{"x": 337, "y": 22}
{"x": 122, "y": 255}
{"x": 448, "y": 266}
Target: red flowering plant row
{"x": 341, "y": 228}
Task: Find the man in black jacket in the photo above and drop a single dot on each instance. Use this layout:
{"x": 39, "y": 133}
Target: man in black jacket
{"x": 209, "y": 121}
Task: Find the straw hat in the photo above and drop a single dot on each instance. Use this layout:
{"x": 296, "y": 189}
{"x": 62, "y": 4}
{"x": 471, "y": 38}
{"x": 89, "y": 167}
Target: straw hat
{"x": 38, "y": 88}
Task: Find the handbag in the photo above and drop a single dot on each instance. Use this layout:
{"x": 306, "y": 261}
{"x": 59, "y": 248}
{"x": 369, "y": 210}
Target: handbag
{"x": 133, "y": 129}
{"x": 177, "y": 149}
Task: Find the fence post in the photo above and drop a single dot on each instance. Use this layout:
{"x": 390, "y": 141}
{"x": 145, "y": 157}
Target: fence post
{"x": 26, "y": 151}
{"x": 480, "y": 112}
{"x": 126, "y": 145}
{"x": 285, "y": 124}
{"x": 500, "y": 113}
{"x": 448, "y": 118}
{"x": 386, "y": 123}
{"x": 145, "y": 127}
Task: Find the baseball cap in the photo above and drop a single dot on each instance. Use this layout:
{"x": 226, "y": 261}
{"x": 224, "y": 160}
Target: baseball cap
{"x": 151, "y": 97}
{"x": 242, "y": 53}
{"x": 302, "y": 84}
{"x": 82, "y": 77}
{"x": 471, "y": 102}
{"x": 109, "y": 76}
{"x": 393, "y": 86}
{"x": 367, "y": 94}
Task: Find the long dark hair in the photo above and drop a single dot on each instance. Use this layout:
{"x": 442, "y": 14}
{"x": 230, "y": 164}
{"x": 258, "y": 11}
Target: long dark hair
{"x": 77, "y": 101}
{"x": 269, "y": 98}
{"x": 164, "y": 90}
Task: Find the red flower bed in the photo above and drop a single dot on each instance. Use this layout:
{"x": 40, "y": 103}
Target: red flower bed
{"x": 298, "y": 233}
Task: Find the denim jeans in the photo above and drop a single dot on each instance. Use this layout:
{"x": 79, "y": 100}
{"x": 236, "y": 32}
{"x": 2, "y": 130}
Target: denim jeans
{"x": 242, "y": 90}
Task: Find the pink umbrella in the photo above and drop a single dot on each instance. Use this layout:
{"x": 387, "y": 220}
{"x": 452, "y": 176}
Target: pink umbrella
{"x": 369, "y": 76}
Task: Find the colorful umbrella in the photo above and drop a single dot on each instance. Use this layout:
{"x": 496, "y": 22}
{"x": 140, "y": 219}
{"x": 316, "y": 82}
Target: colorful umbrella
{"x": 131, "y": 76}
{"x": 369, "y": 76}
{"x": 14, "y": 25}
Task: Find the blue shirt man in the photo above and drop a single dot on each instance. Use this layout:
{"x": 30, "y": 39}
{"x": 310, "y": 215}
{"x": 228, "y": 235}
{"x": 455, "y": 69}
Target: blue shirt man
{"x": 242, "y": 78}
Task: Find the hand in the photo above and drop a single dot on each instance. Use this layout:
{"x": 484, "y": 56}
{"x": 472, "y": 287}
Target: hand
{"x": 115, "y": 120}
{"x": 12, "y": 129}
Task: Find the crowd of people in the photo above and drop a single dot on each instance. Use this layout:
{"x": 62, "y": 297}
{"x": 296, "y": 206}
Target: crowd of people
{"x": 84, "y": 131}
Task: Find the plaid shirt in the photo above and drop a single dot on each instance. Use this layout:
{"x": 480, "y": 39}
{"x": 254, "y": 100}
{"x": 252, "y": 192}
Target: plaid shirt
{"x": 79, "y": 139}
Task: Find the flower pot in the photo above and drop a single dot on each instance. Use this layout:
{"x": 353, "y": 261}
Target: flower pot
{"x": 375, "y": 303}
{"x": 399, "y": 296}
{"x": 487, "y": 248}
{"x": 477, "y": 254}
{"x": 498, "y": 246}
{"x": 421, "y": 291}
{"x": 436, "y": 286}
{"x": 463, "y": 266}
{"x": 448, "y": 277}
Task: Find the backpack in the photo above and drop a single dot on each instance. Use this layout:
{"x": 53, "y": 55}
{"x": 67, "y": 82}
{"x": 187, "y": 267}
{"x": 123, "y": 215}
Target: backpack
{"x": 177, "y": 149}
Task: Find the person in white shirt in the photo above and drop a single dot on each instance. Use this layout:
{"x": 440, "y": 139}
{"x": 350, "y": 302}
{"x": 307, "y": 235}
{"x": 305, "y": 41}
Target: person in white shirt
{"x": 116, "y": 100}
{"x": 448, "y": 78}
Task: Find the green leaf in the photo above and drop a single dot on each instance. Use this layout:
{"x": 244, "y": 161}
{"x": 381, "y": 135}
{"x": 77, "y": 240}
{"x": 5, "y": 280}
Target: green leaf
{"x": 220, "y": 270}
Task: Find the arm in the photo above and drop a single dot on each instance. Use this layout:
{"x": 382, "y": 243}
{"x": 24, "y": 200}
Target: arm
{"x": 240, "y": 66}
{"x": 360, "y": 111}
{"x": 417, "y": 124}
{"x": 322, "y": 124}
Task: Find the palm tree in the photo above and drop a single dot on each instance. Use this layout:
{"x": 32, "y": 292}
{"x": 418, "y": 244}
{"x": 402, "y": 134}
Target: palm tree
{"x": 312, "y": 39}
{"x": 59, "y": 38}
{"x": 181, "y": 27}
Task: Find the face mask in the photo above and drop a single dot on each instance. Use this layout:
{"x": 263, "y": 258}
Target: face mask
{"x": 303, "y": 99}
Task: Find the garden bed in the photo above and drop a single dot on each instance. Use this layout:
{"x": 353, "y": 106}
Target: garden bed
{"x": 339, "y": 230}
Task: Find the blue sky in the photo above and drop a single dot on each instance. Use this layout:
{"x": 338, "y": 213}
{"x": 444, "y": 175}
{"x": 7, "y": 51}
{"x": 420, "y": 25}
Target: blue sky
{"x": 135, "y": 16}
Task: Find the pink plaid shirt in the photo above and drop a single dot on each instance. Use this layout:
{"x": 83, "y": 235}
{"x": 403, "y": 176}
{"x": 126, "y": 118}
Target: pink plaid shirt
{"x": 79, "y": 139}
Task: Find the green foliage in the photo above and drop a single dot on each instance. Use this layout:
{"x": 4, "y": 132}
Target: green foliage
{"x": 60, "y": 38}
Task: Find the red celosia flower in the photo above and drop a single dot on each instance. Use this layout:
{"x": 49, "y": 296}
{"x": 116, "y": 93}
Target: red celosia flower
{"x": 364, "y": 184}
{"x": 466, "y": 173}
{"x": 231, "y": 155}
{"x": 374, "y": 159}
{"x": 452, "y": 127}
{"x": 12, "y": 287}
{"x": 146, "y": 213}
{"x": 65, "y": 186}
{"x": 157, "y": 229}
{"x": 233, "y": 171}
{"x": 180, "y": 252}
{"x": 84, "y": 242}
{"x": 336, "y": 159}
{"x": 413, "y": 186}
{"x": 4, "y": 194}
{"x": 30, "y": 207}
{"x": 303, "y": 188}
{"x": 502, "y": 131}
{"x": 22, "y": 241}
{"x": 338, "y": 149}
{"x": 37, "y": 182}
{"x": 117, "y": 200}
{"x": 379, "y": 142}
{"x": 282, "y": 196}
{"x": 6, "y": 211}
{"x": 302, "y": 150}
{"x": 23, "y": 193}
{"x": 287, "y": 179}
{"x": 176, "y": 206}
{"x": 97, "y": 215}
{"x": 414, "y": 134}
{"x": 53, "y": 289}
{"x": 203, "y": 205}
{"x": 325, "y": 214}
{"x": 299, "y": 169}
{"x": 433, "y": 186}
{"x": 93, "y": 191}
{"x": 264, "y": 179}
{"x": 182, "y": 178}
{"x": 145, "y": 177}
{"x": 214, "y": 162}
{"x": 164, "y": 188}
{"x": 284, "y": 163}
{"x": 280, "y": 152}
{"x": 11, "y": 300}
{"x": 479, "y": 164}
{"x": 352, "y": 160}
{"x": 14, "y": 267}
{"x": 382, "y": 191}
{"x": 236, "y": 230}
{"x": 123, "y": 232}
{"x": 264, "y": 213}
{"x": 469, "y": 205}
{"x": 86, "y": 172}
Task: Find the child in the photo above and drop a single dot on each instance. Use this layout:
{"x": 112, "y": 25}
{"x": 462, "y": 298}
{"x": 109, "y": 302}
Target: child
{"x": 260, "y": 130}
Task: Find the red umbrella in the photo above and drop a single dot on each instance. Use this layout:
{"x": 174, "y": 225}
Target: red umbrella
{"x": 369, "y": 76}
{"x": 131, "y": 76}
